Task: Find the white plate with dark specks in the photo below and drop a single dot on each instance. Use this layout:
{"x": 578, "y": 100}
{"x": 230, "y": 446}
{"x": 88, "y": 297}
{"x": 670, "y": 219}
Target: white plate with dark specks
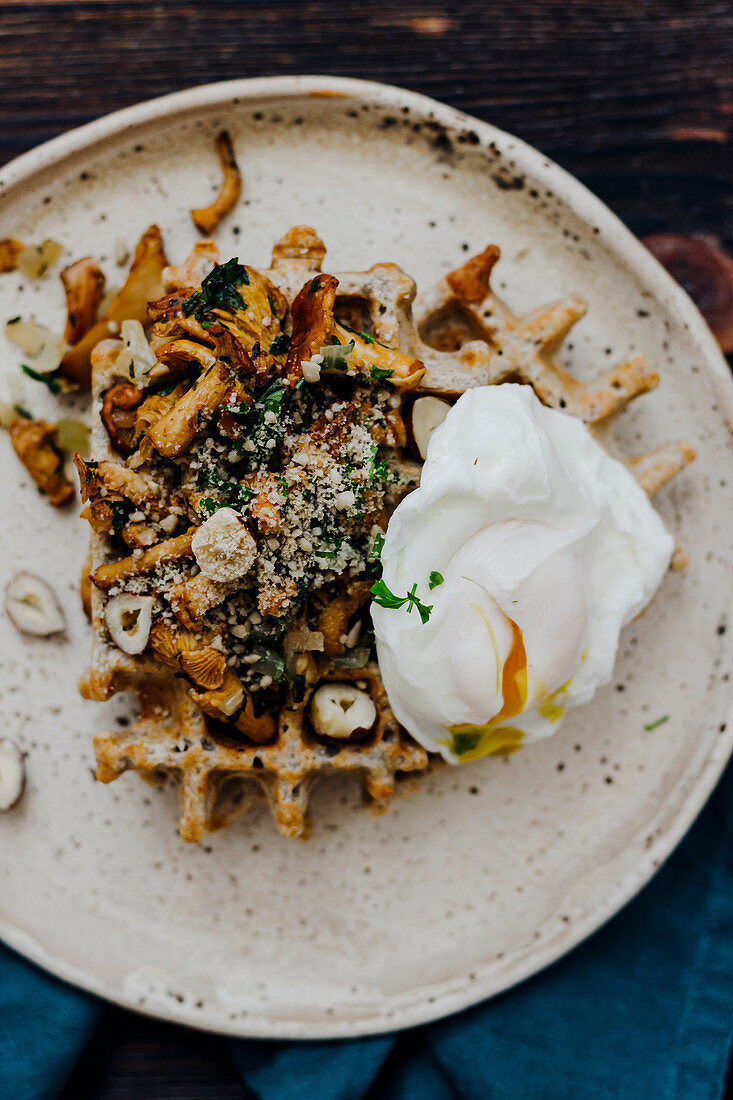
{"x": 485, "y": 873}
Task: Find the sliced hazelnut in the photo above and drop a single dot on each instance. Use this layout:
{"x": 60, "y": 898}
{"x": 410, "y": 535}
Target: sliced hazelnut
{"x": 12, "y": 774}
{"x": 342, "y": 712}
{"x": 32, "y": 606}
{"x": 128, "y": 620}
{"x": 427, "y": 414}
{"x": 223, "y": 546}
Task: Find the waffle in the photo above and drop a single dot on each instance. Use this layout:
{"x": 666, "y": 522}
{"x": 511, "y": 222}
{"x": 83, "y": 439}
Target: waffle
{"x": 465, "y": 336}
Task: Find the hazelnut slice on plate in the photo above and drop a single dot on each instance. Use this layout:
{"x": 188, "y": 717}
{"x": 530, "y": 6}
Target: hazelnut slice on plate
{"x": 342, "y": 712}
{"x": 32, "y": 606}
{"x": 427, "y": 414}
{"x": 12, "y": 774}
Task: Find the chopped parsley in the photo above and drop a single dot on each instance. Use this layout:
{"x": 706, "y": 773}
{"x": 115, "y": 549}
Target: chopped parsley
{"x": 235, "y": 492}
{"x": 379, "y": 470}
{"x": 284, "y": 486}
{"x": 386, "y": 598}
{"x": 464, "y": 742}
{"x": 381, "y": 374}
{"x": 659, "y": 722}
{"x": 218, "y": 291}
{"x": 22, "y": 412}
{"x": 280, "y": 344}
{"x": 47, "y": 379}
{"x": 207, "y": 506}
{"x": 378, "y": 546}
{"x": 120, "y": 512}
{"x": 436, "y": 579}
{"x": 271, "y": 400}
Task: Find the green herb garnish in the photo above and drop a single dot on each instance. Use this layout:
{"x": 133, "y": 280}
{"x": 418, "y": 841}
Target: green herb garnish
{"x": 436, "y": 579}
{"x": 464, "y": 742}
{"x": 271, "y": 400}
{"x": 22, "y": 412}
{"x": 376, "y": 550}
{"x": 659, "y": 722}
{"x": 46, "y": 379}
{"x": 218, "y": 291}
{"x": 280, "y": 344}
{"x": 207, "y": 506}
{"x": 381, "y": 374}
{"x": 379, "y": 470}
{"x": 386, "y": 598}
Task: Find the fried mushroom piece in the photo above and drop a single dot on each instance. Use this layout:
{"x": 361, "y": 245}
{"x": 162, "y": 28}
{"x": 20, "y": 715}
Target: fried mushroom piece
{"x": 118, "y": 414}
{"x": 250, "y": 336}
{"x": 10, "y": 249}
{"x": 143, "y": 284}
{"x": 84, "y": 284}
{"x": 113, "y": 493}
{"x": 313, "y": 323}
{"x": 207, "y": 218}
{"x": 470, "y": 282}
{"x": 34, "y": 442}
{"x": 332, "y": 618}
{"x": 315, "y": 328}
{"x": 115, "y": 572}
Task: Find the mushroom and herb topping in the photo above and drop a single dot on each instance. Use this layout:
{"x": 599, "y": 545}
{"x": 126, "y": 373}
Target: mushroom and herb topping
{"x": 258, "y": 446}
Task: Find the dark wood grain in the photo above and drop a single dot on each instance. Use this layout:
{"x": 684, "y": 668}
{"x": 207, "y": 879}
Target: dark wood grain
{"x": 635, "y": 98}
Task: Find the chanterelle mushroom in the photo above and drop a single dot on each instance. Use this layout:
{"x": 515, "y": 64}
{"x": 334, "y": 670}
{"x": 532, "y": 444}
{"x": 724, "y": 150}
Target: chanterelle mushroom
{"x": 34, "y": 442}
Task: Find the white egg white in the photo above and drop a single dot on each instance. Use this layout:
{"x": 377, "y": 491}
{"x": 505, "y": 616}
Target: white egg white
{"x": 547, "y": 547}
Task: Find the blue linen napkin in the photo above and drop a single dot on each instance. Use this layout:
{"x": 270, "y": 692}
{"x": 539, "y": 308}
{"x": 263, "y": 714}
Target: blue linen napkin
{"x": 641, "y": 1011}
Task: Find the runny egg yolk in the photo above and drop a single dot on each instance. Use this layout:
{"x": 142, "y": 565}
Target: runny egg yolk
{"x": 470, "y": 741}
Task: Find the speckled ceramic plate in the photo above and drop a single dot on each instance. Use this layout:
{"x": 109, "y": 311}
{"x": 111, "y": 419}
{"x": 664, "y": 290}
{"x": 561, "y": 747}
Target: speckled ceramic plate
{"x": 487, "y": 872}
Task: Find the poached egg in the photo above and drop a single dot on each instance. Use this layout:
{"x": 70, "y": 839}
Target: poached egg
{"x": 534, "y": 548}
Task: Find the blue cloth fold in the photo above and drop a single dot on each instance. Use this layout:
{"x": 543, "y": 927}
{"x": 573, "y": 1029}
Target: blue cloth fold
{"x": 642, "y": 1009}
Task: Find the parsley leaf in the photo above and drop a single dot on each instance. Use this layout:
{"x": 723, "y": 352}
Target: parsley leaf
{"x": 207, "y": 506}
{"x": 464, "y": 742}
{"x": 280, "y": 344}
{"x": 237, "y": 493}
{"x": 381, "y": 374}
{"x": 659, "y": 722}
{"x": 22, "y": 412}
{"x": 386, "y": 598}
{"x": 218, "y": 291}
{"x": 379, "y": 470}
{"x": 378, "y": 546}
{"x": 436, "y": 579}
{"x": 46, "y": 379}
{"x": 272, "y": 398}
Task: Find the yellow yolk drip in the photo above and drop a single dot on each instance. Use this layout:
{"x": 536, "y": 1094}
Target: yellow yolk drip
{"x": 470, "y": 741}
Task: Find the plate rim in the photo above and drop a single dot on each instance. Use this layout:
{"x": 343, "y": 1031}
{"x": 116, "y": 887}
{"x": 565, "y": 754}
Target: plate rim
{"x": 424, "y": 1003}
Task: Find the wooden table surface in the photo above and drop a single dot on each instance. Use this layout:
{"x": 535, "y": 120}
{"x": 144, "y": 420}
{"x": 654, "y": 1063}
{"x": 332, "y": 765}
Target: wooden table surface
{"x": 634, "y": 98}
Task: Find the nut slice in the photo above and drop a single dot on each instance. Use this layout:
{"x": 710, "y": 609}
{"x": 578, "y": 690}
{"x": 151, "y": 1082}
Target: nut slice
{"x": 32, "y": 605}
{"x": 428, "y": 413}
{"x": 128, "y": 619}
{"x": 342, "y": 712}
{"x": 12, "y": 774}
